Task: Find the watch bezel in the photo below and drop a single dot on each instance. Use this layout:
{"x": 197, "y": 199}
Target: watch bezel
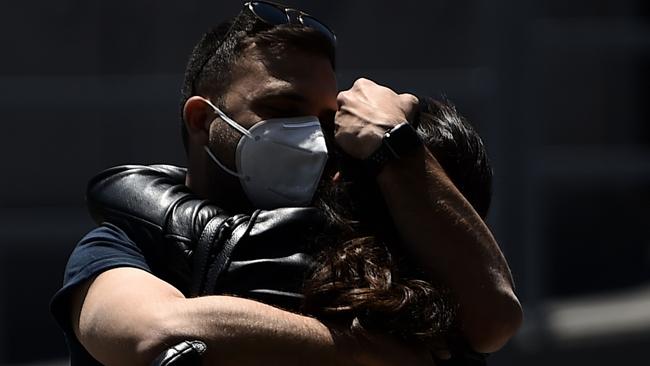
{"x": 401, "y": 138}
{"x": 395, "y": 143}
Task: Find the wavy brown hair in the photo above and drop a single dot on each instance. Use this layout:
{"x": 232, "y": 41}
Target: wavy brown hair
{"x": 362, "y": 277}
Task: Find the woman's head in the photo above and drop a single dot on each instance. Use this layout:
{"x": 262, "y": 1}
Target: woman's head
{"x": 459, "y": 150}
{"x": 361, "y": 273}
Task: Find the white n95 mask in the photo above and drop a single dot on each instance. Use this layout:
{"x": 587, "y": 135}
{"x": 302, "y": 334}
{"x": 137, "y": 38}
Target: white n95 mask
{"x": 279, "y": 161}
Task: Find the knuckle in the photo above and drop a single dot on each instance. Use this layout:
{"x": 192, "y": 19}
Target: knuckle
{"x": 342, "y": 99}
{"x": 362, "y": 82}
{"x": 337, "y": 123}
{"x": 410, "y": 99}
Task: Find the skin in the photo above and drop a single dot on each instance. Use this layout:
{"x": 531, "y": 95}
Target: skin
{"x": 128, "y": 316}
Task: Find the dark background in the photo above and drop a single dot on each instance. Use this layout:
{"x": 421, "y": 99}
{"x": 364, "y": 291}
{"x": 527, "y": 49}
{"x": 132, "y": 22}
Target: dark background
{"x": 558, "y": 89}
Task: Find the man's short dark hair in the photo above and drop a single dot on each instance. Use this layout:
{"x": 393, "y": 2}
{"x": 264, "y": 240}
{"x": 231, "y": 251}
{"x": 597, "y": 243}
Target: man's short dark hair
{"x": 208, "y": 71}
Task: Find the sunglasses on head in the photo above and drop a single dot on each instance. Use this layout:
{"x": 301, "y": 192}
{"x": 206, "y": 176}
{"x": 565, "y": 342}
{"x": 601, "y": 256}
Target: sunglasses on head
{"x": 276, "y": 14}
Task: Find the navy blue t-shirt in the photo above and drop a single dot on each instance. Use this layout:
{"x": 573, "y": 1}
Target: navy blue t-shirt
{"x": 103, "y": 248}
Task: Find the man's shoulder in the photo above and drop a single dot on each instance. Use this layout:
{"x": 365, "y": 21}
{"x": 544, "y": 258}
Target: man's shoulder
{"x": 104, "y": 247}
{"x": 105, "y": 232}
{"x": 105, "y": 243}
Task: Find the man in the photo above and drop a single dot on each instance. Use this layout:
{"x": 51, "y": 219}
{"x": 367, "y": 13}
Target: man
{"x": 253, "y": 70}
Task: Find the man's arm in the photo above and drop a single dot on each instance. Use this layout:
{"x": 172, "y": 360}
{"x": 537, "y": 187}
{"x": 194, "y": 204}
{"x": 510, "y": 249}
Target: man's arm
{"x": 126, "y": 316}
{"x": 438, "y": 225}
{"x": 453, "y": 243}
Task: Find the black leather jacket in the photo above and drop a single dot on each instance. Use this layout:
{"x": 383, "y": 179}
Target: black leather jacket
{"x": 198, "y": 247}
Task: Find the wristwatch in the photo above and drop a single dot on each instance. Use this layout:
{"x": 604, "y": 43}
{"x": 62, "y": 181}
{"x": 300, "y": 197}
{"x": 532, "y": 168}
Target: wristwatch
{"x": 396, "y": 142}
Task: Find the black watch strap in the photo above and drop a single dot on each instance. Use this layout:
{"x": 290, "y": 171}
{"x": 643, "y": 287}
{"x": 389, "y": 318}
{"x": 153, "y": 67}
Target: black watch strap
{"x": 396, "y": 142}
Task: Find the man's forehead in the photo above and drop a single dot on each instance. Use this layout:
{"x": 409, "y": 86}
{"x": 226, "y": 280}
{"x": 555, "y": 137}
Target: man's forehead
{"x": 297, "y": 76}
{"x": 274, "y": 87}
{"x": 289, "y": 64}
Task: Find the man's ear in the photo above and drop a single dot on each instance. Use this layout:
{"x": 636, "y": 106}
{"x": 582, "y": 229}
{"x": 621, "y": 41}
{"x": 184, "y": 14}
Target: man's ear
{"x": 197, "y": 115}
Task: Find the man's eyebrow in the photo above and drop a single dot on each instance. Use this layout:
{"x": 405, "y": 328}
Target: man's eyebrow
{"x": 282, "y": 94}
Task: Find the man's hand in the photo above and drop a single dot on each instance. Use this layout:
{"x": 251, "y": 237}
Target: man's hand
{"x": 366, "y": 112}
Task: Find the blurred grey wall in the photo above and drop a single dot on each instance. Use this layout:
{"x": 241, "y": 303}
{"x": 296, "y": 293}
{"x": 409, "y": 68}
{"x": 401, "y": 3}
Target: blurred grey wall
{"x": 558, "y": 89}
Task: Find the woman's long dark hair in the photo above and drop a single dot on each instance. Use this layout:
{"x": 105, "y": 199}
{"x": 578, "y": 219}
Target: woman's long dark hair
{"x": 362, "y": 277}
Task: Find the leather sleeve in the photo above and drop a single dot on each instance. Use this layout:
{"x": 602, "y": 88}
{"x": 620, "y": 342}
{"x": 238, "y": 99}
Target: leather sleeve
{"x": 190, "y": 242}
{"x": 158, "y": 212}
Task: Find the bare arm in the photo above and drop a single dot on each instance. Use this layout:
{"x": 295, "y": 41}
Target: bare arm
{"x": 439, "y": 227}
{"x": 126, "y": 316}
{"x": 453, "y": 243}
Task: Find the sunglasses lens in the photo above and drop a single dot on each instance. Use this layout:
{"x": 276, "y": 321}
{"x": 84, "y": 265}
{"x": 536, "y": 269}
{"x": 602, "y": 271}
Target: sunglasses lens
{"x": 269, "y": 13}
{"x": 311, "y": 22}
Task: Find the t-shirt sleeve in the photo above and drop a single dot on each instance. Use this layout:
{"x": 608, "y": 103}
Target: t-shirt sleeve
{"x": 103, "y": 248}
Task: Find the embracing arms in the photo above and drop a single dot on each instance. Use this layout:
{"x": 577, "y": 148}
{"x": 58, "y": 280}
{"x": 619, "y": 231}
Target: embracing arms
{"x": 455, "y": 246}
{"x": 126, "y": 316}
{"x": 437, "y": 224}
{"x": 142, "y": 315}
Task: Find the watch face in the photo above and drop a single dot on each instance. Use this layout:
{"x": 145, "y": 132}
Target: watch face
{"x": 398, "y": 141}
{"x": 402, "y": 138}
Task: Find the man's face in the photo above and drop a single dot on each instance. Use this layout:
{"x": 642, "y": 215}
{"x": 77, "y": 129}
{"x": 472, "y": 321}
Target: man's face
{"x": 292, "y": 84}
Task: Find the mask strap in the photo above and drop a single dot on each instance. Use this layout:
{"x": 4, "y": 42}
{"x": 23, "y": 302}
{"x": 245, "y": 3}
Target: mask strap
{"x": 214, "y": 158}
{"x": 229, "y": 120}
